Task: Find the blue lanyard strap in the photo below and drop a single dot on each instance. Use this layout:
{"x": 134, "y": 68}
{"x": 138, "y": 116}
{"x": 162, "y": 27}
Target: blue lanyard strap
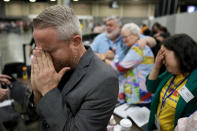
{"x": 165, "y": 98}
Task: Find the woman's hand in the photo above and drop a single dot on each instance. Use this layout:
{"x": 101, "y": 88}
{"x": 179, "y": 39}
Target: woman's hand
{"x": 159, "y": 60}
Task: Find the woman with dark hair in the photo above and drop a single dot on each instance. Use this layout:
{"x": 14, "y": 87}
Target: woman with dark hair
{"x": 175, "y": 91}
{"x": 155, "y": 28}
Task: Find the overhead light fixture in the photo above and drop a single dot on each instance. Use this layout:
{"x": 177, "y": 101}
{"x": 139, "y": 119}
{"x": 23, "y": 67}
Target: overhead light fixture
{"x": 75, "y": 0}
{"x": 53, "y": 0}
{"x": 6, "y": 0}
{"x": 32, "y": 0}
{"x": 113, "y": 4}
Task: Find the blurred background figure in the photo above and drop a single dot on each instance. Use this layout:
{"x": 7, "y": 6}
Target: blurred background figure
{"x": 134, "y": 67}
{"x": 4, "y": 80}
{"x": 155, "y": 28}
{"x": 162, "y": 34}
{"x": 145, "y": 30}
{"x": 98, "y": 28}
{"x": 109, "y": 44}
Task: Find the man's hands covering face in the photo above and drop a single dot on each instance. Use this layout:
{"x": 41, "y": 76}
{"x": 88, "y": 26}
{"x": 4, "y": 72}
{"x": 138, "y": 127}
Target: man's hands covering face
{"x": 43, "y": 74}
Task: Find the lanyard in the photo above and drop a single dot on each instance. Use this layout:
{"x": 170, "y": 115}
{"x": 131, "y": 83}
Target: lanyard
{"x": 165, "y": 98}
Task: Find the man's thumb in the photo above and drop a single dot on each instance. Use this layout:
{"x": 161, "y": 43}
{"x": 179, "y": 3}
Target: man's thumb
{"x": 62, "y": 72}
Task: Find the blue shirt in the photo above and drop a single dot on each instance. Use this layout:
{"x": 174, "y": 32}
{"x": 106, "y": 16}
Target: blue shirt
{"x": 102, "y": 44}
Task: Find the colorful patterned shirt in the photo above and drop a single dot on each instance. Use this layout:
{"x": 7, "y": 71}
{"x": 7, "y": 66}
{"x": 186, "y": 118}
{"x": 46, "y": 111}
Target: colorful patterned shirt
{"x": 132, "y": 70}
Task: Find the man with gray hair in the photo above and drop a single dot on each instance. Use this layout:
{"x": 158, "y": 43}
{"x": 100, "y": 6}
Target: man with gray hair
{"x": 134, "y": 67}
{"x": 110, "y": 43}
{"x": 69, "y": 88}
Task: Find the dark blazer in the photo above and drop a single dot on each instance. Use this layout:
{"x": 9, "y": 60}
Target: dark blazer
{"x": 86, "y": 101}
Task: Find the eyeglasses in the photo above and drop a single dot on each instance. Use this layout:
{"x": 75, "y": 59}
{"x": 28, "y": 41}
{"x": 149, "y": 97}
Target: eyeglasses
{"x": 125, "y": 37}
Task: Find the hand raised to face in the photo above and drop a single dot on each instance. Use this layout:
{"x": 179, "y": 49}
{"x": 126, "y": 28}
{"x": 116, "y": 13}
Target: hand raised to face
{"x": 43, "y": 74}
{"x": 159, "y": 60}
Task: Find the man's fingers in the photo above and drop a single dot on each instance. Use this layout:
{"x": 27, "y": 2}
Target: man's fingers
{"x": 4, "y": 91}
{"x": 49, "y": 60}
{"x": 39, "y": 58}
{"x": 44, "y": 59}
{"x": 35, "y": 65}
{"x": 5, "y": 76}
{"x": 5, "y": 81}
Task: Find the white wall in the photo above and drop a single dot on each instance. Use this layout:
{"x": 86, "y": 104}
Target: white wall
{"x": 187, "y": 23}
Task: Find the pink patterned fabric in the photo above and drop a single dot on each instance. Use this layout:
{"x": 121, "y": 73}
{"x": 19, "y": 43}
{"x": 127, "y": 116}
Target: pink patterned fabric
{"x": 187, "y": 123}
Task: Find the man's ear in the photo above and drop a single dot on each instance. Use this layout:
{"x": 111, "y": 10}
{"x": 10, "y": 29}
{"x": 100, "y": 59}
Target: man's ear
{"x": 77, "y": 40}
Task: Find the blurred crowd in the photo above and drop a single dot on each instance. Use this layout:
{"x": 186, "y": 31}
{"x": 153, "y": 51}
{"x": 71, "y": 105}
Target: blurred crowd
{"x": 17, "y": 26}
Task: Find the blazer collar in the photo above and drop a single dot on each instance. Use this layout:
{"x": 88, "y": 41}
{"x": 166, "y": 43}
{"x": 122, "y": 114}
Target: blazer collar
{"x": 79, "y": 72}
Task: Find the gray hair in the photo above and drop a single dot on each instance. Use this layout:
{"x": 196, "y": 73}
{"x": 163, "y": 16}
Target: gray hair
{"x": 60, "y": 17}
{"x": 116, "y": 19}
{"x": 132, "y": 27}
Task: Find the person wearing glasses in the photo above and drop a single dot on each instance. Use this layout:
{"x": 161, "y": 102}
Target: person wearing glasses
{"x": 134, "y": 67}
{"x": 175, "y": 90}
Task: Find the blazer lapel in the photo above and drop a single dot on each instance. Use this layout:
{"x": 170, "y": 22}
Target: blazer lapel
{"x": 75, "y": 78}
{"x": 79, "y": 72}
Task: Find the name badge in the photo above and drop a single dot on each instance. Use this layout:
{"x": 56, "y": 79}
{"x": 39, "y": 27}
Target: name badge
{"x": 186, "y": 94}
{"x": 157, "y": 122}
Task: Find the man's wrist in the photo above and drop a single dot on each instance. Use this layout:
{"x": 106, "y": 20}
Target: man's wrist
{"x": 44, "y": 92}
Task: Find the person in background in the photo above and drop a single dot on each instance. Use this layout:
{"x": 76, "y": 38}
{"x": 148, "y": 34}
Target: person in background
{"x": 73, "y": 90}
{"x": 175, "y": 91}
{"x": 109, "y": 43}
{"x": 155, "y": 28}
{"x": 145, "y": 30}
{"x": 98, "y": 28}
{"x": 162, "y": 34}
{"x": 134, "y": 67}
{"x": 4, "y": 80}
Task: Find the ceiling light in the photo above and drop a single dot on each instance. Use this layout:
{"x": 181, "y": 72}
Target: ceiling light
{"x": 113, "y": 4}
{"x": 52, "y": 0}
{"x": 6, "y": 0}
{"x": 32, "y": 0}
{"x": 75, "y": 0}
